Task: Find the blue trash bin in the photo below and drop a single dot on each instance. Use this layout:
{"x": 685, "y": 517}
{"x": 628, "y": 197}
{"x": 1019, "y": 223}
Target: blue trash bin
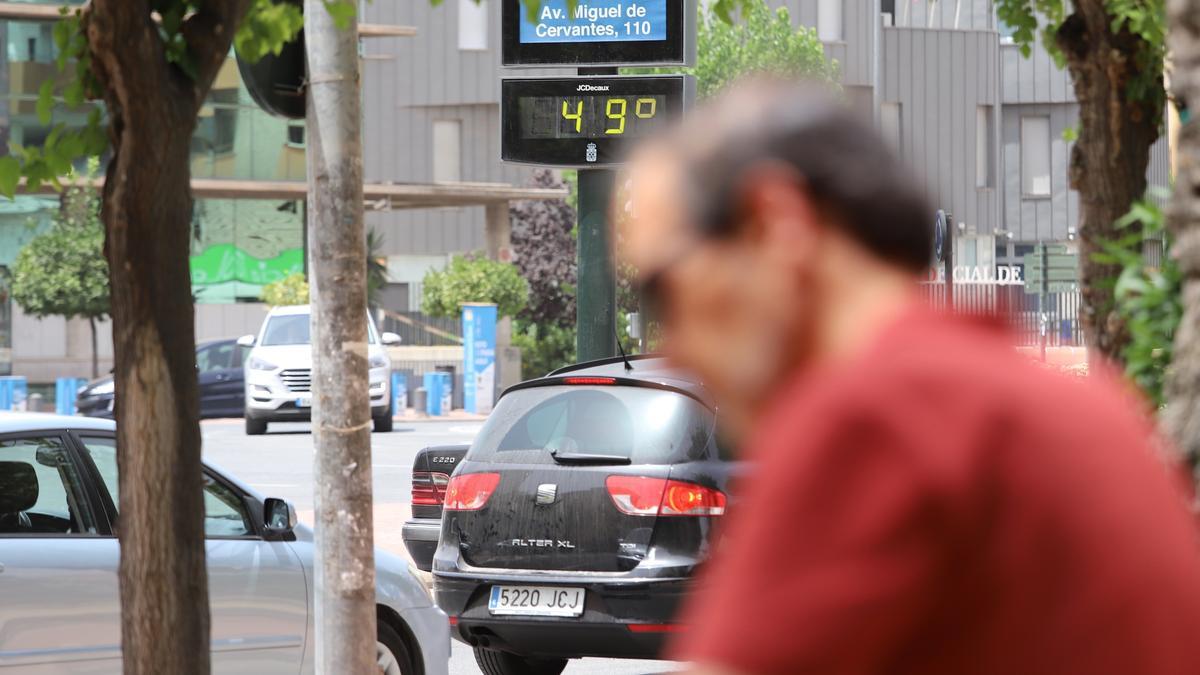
{"x": 433, "y": 395}
{"x": 66, "y": 391}
{"x": 13, "y": 390}
{"x": 399, "y": 393}
{"x": 447, "y": 392}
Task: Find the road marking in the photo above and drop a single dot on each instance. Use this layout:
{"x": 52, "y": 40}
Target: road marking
{"x": 466, "y": 429}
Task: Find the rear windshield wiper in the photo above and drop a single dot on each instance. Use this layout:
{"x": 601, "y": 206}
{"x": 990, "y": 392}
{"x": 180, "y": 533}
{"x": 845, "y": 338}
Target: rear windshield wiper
{"x": 588, "y": 458}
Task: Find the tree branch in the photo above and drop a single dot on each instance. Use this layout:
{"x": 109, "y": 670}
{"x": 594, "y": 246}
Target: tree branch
{"x": 209, "y": 34}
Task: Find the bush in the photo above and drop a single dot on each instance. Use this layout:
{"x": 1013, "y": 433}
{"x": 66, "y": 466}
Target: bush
{"x": 474, "y": 279}
{"x": 290, "y": 290}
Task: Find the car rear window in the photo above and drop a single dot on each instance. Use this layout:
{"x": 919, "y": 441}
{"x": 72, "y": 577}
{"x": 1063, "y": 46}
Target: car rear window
{"x": 649, "y": 426}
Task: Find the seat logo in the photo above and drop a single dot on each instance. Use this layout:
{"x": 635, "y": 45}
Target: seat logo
{"x": 546, "y": 492}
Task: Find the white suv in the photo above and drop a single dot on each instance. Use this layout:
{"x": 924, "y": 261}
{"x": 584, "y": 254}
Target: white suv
{"x": 279, "y": 371}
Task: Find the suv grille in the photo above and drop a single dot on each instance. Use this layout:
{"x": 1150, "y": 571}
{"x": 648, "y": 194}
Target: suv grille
{"x": 297, "y": 379}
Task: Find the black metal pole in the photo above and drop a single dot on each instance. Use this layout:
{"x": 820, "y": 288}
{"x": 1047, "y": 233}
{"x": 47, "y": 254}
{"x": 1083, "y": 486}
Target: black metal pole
{"x": 596, "y": 298}
{"x": 948, "y": 256}
{"x": 1044, "y": 299}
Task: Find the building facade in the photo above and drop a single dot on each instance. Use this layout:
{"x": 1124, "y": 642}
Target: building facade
{"x": 985, "y": 127}
{"x": 981, "y": 125}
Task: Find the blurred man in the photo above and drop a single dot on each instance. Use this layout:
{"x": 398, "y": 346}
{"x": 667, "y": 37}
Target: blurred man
{"x": 923, "y": 500}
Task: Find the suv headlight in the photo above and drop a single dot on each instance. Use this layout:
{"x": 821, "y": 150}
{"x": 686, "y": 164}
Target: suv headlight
{"x": 378, "y": 361}
{"x": 256, "y": 363}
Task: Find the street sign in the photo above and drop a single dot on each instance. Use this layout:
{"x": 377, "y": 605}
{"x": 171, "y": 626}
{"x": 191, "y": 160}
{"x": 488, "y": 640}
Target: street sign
{"x": 585, "y": 121}
{"x": 1051, "y": 249}
{"x": 1034, "y": 275}
{"x": 599, "y": 32}
{"x": 1053, "y": 261}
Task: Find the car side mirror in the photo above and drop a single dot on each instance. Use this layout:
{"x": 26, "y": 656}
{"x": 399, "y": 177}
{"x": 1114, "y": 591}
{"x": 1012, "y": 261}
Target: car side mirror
{"x": 246, "y": 341}
{"x": 390, "y": 339}
{"x": 279, "y": 516}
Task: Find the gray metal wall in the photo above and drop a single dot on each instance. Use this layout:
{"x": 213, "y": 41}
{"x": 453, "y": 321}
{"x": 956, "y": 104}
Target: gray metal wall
{"x": 939, "y": 77}
{"x": 1035, "y": 79}
{"x": 854, "y": 51}
{"x": 1036, "y": 86}
{"x": 408, "y": 83}
{"x": 969, "y": 14}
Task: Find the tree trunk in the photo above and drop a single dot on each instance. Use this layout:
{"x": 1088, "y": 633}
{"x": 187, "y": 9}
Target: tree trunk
{"x": 345, "y": 556}
{"x": 147, "y": 207}
{"x": 95, "y": 356}
{"x": 1181, "y": 420}
{"x": 1109, "y": 159}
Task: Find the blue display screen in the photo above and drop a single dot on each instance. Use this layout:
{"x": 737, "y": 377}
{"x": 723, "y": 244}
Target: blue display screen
{"x": 596, "y": 21}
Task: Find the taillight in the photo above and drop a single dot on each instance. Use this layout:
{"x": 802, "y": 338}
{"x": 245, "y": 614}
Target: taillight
{"x": 644, "y": 496}
{"x": 429, "y": 488}
{"x": 590, "y": 380}
{"x": 470, "y": 491}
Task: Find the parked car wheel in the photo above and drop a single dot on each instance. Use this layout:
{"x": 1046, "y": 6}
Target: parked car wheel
{"x": 383, "y": 423}
{"x": 391, "y": 652}
{"x": 496, "y": 662}
{"x": 255, "y": 427}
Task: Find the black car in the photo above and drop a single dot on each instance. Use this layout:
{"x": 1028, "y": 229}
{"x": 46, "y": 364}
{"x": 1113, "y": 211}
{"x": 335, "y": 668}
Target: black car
{"x": 222, "y": 385}
{"x": 430, "y": 476}
{"x": 576, "y": 520}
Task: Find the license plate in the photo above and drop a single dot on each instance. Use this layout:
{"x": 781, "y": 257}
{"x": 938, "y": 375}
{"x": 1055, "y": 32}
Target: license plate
{"x": 304, "y": 402}
{"x": 536, "y": 600}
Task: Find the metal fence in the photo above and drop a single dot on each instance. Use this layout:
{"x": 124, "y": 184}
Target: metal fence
{"x": 417, "y": 329}
{"x": 1058, "y": 317}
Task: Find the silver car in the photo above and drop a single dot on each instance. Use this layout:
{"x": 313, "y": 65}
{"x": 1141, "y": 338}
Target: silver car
{"x": 59, "y": 605}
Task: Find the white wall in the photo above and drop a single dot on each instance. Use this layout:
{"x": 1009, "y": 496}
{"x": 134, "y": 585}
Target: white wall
{"x": 45, "y": 349}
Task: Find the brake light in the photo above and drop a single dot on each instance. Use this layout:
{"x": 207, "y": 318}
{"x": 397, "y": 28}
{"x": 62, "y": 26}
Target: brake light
{"x": 470, "y": 491}
{"x": 429, "y": 488}
{"x": 645, "y": 496}
{"x": 590, "y": 380}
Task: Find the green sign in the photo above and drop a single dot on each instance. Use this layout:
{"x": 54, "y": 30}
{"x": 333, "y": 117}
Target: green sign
{"x": 225, "y": 262}
{"x": 1034, "y": 275}
{"x": 1053, "y": 261}
{"x": 1052, "y": 249}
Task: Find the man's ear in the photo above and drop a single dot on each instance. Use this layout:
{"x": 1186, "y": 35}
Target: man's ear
{"x": 780, "y": 214}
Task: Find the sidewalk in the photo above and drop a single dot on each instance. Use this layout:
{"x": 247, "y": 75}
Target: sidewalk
{"x": 411, "y": 415}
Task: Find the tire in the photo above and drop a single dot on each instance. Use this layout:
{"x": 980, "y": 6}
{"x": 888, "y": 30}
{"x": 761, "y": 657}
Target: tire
{"x": 495, "y": 662}
{"x": 255, "y": 426}
{"x": 390, "y": 649}
{"x": 383, "y": 424}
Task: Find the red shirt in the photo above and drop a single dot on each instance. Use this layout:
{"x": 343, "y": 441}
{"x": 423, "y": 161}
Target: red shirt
{"x": 943, "y": 505}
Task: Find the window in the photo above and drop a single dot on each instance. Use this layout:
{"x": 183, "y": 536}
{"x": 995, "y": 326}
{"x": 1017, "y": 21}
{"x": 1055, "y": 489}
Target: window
{"x": 829, "y": 20}
{"x": 983, "y": 146}
{"x": 649, "y": 426}
{"x": 1035, "y": 156}
{"x": 292, "y": 329}
{"x": 295, "y": 135}
{"x": 287, "y": 329}
{"x": 40, "y": 490}
{"x": 224, "y": 511}
{"x": 447, "y": 151}
{"x": 889, "y": 125}
{"x": 216, "y": 357}
{"x": 472, "y": 25}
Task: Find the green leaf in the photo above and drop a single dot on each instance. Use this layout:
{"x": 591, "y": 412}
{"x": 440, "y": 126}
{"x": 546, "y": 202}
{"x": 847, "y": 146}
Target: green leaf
{"x": 342, "y": 11}
{"x": 45, "y": 102}
{"x": 10, "y": 175}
